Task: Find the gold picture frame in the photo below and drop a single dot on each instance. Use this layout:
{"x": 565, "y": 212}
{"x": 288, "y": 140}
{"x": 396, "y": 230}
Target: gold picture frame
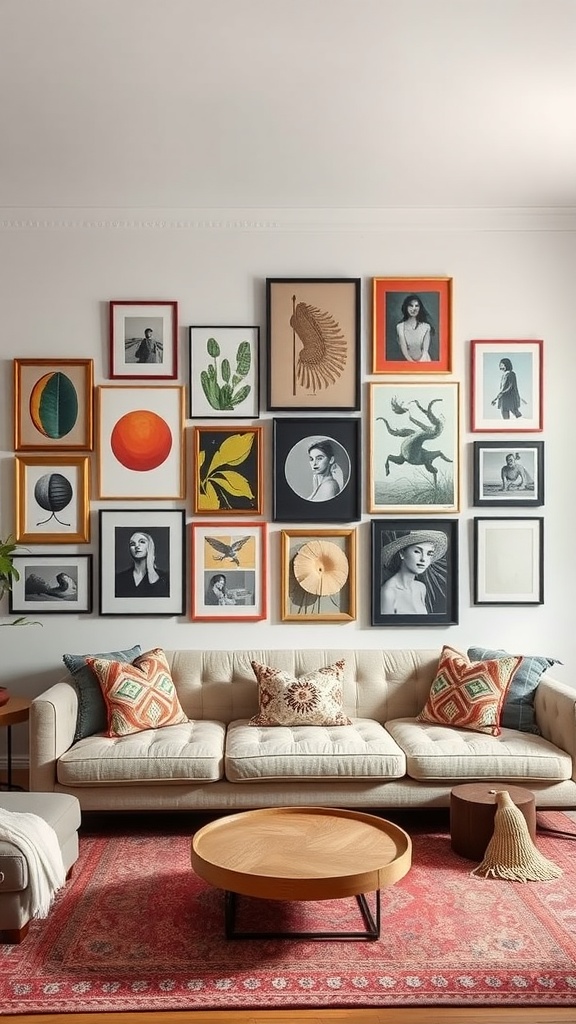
{"x": 228, "y": 470}
{"x": 52, "y": 499}
{"x": 318, "y": 572}
{"x": 53, "y": 404}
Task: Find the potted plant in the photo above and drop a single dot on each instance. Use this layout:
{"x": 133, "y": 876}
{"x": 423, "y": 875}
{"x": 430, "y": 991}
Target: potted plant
{"x": 9, "y": 573}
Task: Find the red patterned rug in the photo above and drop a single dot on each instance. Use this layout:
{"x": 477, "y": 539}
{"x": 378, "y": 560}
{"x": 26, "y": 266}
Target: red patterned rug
{"x": 135, "y": 930}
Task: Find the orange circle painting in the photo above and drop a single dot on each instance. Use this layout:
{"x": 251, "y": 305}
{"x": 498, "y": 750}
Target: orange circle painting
{"x": 141, "y": 440}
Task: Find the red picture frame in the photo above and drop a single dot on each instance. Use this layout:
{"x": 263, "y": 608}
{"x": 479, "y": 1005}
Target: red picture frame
{"x": 412, "y": 325}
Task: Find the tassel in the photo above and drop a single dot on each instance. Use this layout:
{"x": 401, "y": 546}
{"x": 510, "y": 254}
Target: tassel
{"x": 511, "y": 854}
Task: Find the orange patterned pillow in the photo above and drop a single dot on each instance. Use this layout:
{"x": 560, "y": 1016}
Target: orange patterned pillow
{"x": 468, "y": 694}
{"x": 138, "y": 696}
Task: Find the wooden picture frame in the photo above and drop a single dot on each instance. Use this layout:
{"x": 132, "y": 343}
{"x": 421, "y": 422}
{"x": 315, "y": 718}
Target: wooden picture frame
{"x": 509, "y": 560}
{"x": 228, "y": 470}
{"x": 53, "y": 403}
{"x": 318, "y": 569}
{"x": 507, "y": 386}
{"x": 146, "y": 542}
{"x": 50, "y": 584}
{"x": 52, "y": 499}
{"x": 414, "y": 572}
{"x": 414, "y": 463}
{"x": 313, "y": 343}
{"x": 228, "y": 573}
{"x": 140, "y": 441}
{"x": 508, "y": 475}
{"x": 143, "y": 339}
{"x": 224, "y": 372}
{"x": 411, "y": 325}
{"x": 316, "y": 470}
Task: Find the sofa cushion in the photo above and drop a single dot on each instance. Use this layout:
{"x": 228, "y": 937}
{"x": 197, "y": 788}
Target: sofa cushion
{"x": 468, "y": 694}
{"x": 92, "y": 715}
{"x": 312, "y": 699}
{"x": 189, "y": 752}
{"x": 518, "y": 707}
{"x": 138, "y": 696}
{"x": 444, "y": 752}
{"x": 361, "y": 750}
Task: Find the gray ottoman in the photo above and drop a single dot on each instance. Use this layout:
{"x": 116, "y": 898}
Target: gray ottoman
{"x": 62, "y": 812}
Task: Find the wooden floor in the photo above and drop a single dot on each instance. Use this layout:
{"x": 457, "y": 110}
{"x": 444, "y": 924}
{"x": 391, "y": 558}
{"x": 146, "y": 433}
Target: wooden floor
{"x": 424, "y": 1015}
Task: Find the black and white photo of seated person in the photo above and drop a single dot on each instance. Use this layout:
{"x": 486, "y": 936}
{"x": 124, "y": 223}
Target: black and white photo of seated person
{"x": 217, "y": 591}
{"x": 140, "y": 559}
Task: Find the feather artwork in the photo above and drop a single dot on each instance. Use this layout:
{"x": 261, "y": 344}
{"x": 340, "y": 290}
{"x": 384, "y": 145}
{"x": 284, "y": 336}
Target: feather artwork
{"x": 227, "y": 550}
{"x": 323, "y": 356}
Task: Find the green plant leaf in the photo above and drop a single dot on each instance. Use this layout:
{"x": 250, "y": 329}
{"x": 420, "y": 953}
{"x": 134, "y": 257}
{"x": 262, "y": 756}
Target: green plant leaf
{"x": 210, "y": 389}
{"x": 242, "y": 394}
{"x": 243, "y": 358}
{"x": 226, "y": 397}
{"x": 225, "y": 369}
{"x": 213, "y": 348}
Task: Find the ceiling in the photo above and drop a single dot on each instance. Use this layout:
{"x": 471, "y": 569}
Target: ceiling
{"x": 287, "y": 103}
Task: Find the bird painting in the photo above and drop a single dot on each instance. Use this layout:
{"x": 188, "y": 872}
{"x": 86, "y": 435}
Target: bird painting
{"x": 227, "y": 551}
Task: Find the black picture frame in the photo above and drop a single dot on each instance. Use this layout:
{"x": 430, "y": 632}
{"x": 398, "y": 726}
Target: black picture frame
{"x": 51, "y": 583}
{"x": 509, "y": 560}
{"x": 440, "y": 577}
{"x": 118, "y": 594}
{"x": 508, "y": 475}
{"x": 293, "y": 477}
{"x": 319, "y": 316}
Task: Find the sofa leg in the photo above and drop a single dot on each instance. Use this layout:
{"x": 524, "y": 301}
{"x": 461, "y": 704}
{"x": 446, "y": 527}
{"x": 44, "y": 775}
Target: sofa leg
{"x": 12, "y": 936}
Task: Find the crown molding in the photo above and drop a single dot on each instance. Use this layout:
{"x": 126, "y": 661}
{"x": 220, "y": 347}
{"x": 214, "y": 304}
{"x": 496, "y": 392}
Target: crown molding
{"x": 376, "y": 219}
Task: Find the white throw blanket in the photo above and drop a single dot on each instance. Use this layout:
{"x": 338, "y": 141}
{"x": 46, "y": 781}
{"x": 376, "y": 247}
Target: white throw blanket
{"x": 38, "y": 842}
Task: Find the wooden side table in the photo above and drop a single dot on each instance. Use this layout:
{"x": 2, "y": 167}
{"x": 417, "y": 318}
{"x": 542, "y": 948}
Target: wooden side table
{"x": 16, "y": 710}
{"x": 472, "y": 810}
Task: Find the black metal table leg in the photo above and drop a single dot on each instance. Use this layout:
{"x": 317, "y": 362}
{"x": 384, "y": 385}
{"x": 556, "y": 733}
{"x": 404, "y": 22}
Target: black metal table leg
{"x": 370, "y": 933}
{"x": 9, "y": 787}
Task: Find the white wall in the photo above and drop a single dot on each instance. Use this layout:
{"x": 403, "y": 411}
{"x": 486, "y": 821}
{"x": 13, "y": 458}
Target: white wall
{"x": 512, "y": 282}
{"x": 301, "y": 103}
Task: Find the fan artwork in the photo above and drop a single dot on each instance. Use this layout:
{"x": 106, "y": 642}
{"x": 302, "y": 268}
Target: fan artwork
{"x": 321, "y": 358}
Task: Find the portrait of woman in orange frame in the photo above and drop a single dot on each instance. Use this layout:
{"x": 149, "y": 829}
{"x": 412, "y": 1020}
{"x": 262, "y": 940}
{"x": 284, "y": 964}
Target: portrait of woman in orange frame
{"x": 411, "y": 325}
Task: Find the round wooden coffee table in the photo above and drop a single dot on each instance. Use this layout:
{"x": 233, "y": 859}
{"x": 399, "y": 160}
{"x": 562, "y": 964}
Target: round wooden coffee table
{"x": 302, "y": 853}
{"x": 472, "y": 809}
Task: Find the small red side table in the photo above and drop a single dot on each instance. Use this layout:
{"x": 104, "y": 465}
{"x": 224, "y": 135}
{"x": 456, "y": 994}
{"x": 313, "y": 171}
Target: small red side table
{"x": 472, "y": 811}
{"x": 16, "y": 710}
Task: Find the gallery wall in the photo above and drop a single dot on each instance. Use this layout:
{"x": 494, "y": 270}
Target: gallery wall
{"x": 62, "y": 273}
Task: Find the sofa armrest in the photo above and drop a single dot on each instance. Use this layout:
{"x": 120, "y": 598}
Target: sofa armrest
{"x": 555, "y": 708}
{"x": 52, "y": 726}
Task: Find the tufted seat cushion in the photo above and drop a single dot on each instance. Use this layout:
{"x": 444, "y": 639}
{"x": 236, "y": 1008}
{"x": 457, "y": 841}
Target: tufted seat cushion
{"x": 189, "y": 752}
{"x": 363, "y": 750}
{"x": 445, "y": 752}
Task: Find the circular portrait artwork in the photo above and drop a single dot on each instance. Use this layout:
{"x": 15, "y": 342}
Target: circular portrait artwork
{"x": 317, "y": 468}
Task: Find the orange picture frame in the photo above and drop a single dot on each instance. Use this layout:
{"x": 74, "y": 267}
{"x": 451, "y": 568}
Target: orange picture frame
{"x": 412, "y": 325}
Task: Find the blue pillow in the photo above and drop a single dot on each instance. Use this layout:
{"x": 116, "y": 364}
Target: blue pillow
{"x": 518, "y": 708}
{"x": 92, "y": 714}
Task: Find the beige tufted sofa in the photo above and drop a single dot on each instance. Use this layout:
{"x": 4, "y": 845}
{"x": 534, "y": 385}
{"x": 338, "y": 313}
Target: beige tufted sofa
{"x": 217, "y": 761}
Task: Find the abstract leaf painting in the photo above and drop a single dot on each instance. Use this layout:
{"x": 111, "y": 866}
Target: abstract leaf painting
{"x": 53, "y": 404}
{"x": 313, "y": 343}
{"x": 228, "y": 470}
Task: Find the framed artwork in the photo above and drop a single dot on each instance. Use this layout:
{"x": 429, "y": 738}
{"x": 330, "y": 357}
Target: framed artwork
{"x": 313, "y": 343}
{"x": 509, "y": 560}
{"x": 142, "y": 562}
{"x": 414, "y": 448}
{"x": 506, "y": 386}
{"x": 318, "y": 575}
{"x": 508, "y": 474}
{"x": 144, "y": 340}
{"x": 412, "y": 325}
{"x": 52, "y": 499}
{"x": 224, "y": 372}
{"x": 53, "y": 404}
{"x": 316, "y": 470}
{"x": 229, "y": 572}
{"x": 140, "y": 441}
{"x": 228, "y": 470}
{"x": 414, "y": 572}
{"x": 51, "y": 583}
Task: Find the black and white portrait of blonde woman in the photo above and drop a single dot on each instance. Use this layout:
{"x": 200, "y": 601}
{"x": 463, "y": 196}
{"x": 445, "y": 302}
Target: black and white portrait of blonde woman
{"x": 413, "y": 572}
{"x": 141, "y": 560}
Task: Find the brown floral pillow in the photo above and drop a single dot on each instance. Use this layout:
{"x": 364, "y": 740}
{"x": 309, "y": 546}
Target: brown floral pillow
{"x": 313, "y": 699}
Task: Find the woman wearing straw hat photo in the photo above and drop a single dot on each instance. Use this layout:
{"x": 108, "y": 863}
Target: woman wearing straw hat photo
{"x": 406, "y": 561}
